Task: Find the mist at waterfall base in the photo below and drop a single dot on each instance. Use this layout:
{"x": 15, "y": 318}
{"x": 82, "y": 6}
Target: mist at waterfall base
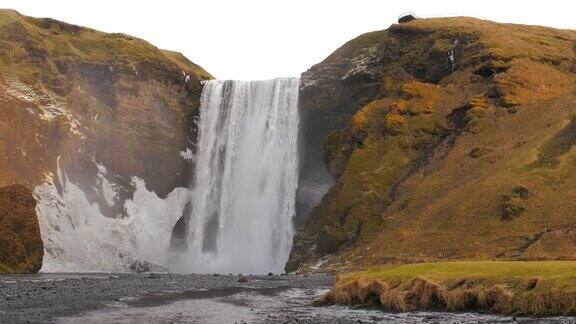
{"x": 242, "y": 196}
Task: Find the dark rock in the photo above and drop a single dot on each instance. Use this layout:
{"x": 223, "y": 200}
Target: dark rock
{"x": 323, "y": 300}
{"x": 242, "y": 279}
{"x": 521, "y": 192}
{"x": 477, "y": 152}
{"x": 511, "y": 207}
{"x": 406, "y": 18}
{"x": 139, "y": 266}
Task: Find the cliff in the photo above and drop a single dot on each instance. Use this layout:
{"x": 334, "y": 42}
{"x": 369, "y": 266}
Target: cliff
{"x": 101, "y": 108}
{"x": 448, "y": 139}
{"x": 20, "y": 243}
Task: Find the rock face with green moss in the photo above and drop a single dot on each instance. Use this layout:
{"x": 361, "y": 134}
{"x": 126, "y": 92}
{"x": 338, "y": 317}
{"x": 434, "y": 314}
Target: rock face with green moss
{"x": 447, "y": 139}
{"x": 20, "y": 243}
{"x": 93, "y": 104}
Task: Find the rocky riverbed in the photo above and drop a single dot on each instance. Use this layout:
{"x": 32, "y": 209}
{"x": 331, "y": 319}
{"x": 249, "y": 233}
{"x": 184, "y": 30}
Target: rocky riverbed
{"x": 169, "y": 298}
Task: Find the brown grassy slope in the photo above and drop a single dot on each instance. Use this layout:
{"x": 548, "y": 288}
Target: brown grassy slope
{"x": 185, "y": 64}
{"x": 20, "y": 243}
{"x": 528, "y": 288}
{"x": 131, "y": 104}
{"x": 465, "y": 160}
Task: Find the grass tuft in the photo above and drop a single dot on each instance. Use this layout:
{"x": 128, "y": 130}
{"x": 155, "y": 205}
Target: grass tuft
{"x": 504, "y": 287}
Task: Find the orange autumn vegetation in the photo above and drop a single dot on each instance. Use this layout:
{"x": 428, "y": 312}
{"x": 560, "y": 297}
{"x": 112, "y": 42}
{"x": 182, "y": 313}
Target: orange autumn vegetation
{"x": 541, "y": 288}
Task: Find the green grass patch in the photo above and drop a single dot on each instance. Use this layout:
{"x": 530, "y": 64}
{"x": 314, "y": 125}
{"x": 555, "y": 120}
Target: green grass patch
{"x": 558, "y": 271}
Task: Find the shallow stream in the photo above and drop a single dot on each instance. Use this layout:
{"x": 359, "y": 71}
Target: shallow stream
{"x": 151, "y": 298}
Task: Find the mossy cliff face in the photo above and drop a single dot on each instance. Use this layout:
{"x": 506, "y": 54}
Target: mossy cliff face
{"x": 20, "y": 243}
{"x": 448, "y": 139}
{"x": 90, "y": 100}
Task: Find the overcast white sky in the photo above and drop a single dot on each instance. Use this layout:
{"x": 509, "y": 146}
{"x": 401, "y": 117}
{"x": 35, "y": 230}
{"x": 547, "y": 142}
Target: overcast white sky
{"x": 260, "y": 39}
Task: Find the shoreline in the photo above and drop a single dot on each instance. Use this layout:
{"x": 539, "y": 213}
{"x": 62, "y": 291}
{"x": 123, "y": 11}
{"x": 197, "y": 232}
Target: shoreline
{"x": 523, "y": 288}
{"x": 37, "y": 298}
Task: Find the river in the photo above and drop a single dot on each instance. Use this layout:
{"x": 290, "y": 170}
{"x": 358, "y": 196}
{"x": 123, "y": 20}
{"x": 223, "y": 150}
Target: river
{"x": 170, "y": 298}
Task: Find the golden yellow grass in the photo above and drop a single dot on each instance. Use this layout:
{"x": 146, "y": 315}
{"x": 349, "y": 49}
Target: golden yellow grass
{"x": 506, "y": 287}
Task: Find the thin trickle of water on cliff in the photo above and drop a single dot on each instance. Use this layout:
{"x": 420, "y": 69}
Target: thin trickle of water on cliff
{"x": 246, "y": 175}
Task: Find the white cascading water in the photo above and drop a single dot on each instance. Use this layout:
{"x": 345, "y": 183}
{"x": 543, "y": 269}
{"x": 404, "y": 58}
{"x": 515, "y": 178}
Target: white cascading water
{"x": 243, "y": 196}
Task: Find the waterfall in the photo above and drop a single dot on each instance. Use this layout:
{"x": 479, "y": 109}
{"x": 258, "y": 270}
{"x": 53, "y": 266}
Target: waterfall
{"x": 246, "y": 174}
{"x": 242, "y": 197}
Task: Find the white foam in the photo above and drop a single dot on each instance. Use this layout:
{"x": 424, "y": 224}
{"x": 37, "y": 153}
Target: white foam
{"x": 187, "y": 155}
{"x": 77, "y": 237}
